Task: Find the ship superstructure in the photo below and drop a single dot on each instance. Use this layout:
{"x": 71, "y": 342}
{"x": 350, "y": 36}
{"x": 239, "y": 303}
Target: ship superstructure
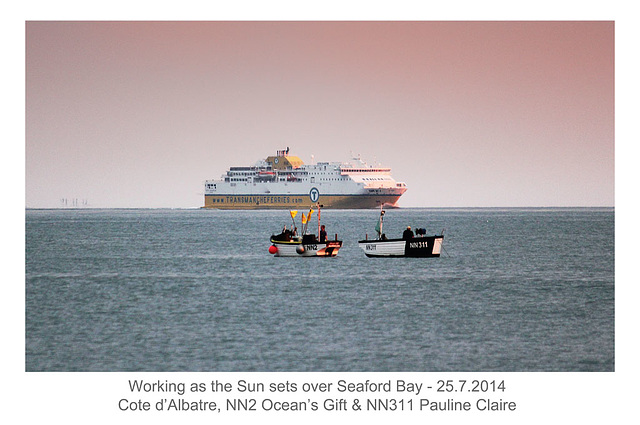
{"x": 283, "y": 181}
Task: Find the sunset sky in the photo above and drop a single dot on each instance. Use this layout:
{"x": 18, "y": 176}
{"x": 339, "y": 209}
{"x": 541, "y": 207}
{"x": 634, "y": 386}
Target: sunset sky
{"x": 468, "y": 114}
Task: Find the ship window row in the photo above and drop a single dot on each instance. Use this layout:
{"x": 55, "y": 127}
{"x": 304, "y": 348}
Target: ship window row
{"x": 283, "y": 179}
{"x": 241, "y": 173}
{"x": 375, "y": 178}
{"x": 255, "y": 173}
{"x": 365, "y": 170}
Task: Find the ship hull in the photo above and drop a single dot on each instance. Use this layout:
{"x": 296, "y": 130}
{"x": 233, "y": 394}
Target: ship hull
{"x": 313, "y": 249}
{"x": 425, "y": 246}
{"x": 289, "y": 201}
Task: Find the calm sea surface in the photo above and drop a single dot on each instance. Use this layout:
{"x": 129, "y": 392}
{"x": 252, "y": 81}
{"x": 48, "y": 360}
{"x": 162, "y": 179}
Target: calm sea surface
{"x": 196, "y": 290}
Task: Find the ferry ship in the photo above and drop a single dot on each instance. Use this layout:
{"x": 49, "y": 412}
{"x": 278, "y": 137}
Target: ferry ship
{"x": 283, "y": 181}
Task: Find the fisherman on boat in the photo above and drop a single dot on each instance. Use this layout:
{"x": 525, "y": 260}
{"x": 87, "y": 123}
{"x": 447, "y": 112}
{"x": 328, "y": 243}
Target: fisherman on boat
{"x": 285, "y": 235}
{"x": 323, "y": 234}
{"x": 407, "y": 234}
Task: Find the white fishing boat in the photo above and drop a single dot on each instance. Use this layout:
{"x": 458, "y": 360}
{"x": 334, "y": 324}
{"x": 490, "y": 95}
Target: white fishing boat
{"x": 410, "y": 245}
{"x": 289, "y": 244}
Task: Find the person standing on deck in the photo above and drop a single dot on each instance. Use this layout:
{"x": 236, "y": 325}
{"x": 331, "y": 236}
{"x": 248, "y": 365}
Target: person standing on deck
{"x": 407, "y": 234}
{"x": 323, "y": 234}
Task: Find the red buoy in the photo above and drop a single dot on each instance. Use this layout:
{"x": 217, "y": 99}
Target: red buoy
{"x": 273, "y": 249}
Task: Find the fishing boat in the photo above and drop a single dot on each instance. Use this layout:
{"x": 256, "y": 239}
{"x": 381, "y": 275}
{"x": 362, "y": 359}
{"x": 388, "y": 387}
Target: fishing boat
{"x": 410, "y": 245}
{"x": 289, "y": 244}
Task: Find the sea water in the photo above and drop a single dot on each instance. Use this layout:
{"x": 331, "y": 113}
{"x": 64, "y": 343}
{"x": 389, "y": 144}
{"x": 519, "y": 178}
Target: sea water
{"x": 197, "y": 290}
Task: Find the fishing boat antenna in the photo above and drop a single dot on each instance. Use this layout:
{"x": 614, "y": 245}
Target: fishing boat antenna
{"x": 380, "y": 221}
{"x": 318, "y": 206}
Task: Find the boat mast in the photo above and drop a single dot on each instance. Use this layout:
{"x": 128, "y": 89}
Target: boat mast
{"x": 293, "y": 214}
{"x": 380, "y": 222}
{"x": 318, "y": 205}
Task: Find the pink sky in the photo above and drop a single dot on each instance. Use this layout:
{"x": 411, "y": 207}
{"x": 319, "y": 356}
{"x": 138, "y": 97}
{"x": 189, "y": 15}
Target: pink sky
{"x": 468, "y": 114}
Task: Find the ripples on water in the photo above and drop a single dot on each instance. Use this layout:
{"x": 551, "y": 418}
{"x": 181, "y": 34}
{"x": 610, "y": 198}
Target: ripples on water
{"x": 196, "y": 290}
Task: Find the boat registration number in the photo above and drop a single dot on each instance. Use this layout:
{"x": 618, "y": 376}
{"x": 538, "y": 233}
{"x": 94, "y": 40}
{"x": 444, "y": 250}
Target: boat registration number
{"x": 311, "y": 247}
